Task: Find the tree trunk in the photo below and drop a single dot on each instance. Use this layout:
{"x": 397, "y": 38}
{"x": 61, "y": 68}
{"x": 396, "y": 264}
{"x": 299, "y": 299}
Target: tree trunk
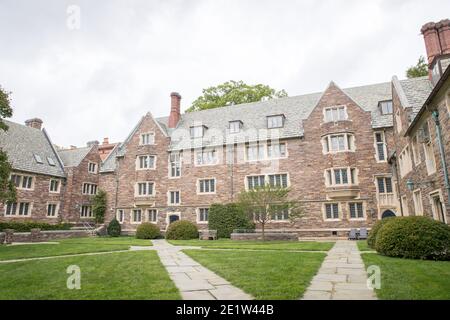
{"x": 263, "y": 232}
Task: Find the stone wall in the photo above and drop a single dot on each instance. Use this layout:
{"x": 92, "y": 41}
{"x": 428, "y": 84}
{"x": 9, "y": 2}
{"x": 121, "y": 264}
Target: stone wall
{"x": 36, "y": 235}
{"x": 268, "y": 236}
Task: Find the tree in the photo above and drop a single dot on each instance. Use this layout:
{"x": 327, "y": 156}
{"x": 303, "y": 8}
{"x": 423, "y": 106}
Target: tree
{"x": 419, "y": 70}
{"x": 99, "y": 206}
{"x": 266, "y": 202}
{"x": 234, "y": 92}
{"x": 7, "y": 188}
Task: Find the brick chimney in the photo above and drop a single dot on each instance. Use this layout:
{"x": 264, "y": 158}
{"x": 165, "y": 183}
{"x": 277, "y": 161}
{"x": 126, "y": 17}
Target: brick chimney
{"x": 34, "y": 123}
{"x": 174, "y": 116}
{"x": 106, "y": 140}
{"x": 92, "y": 143}
{"x": 437, "y": 44}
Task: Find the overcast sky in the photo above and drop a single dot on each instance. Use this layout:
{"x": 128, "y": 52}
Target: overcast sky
{"x": 127, "y": 56}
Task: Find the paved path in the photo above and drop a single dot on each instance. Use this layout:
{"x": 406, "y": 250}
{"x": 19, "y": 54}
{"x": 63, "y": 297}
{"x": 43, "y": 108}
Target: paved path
{"x": 194, "y": 281}
{"x": 342, "y": 276}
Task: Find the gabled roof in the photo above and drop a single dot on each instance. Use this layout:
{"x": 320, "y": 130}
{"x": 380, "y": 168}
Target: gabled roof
{"x": 22, "y": 143}
{"x": 254, "y": 115}
{"x": 73, "y": 157}
{"x": 109, "y": 164}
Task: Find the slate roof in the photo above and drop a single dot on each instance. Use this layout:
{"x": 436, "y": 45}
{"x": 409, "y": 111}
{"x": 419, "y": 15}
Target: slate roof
{"x": 21, "y": 143}
{"x": 413, "y": 93}
{"x": 73, "y": 157}
{"x": 254, "y": 117}
{"x": 109, "y": 164}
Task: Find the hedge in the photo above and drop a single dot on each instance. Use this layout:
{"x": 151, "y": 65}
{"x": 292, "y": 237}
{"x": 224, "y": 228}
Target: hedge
{"x": 371, "y": 239}
{"x": 147, "y": 230}
{"x": 114, "y": 228}
{"x": 226, "y": 218}
{"x": 414, "y": 238}
{"x": 27, "y": 226}
{"x": 182, "y": 230}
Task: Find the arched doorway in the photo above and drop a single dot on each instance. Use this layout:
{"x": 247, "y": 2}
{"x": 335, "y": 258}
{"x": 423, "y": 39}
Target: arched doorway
{"x": 173, "y": 218}
{"x": 387, "y": 214}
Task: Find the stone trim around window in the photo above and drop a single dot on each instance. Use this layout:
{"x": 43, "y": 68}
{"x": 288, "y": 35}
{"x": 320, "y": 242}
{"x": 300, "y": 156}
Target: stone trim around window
{"x": 57, "y": 203}
{"x": 204, "y": 179}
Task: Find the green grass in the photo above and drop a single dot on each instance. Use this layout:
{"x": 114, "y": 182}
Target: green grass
{"x": 256, "y": 245}
{"x": 404, "y": 279}
{"x": 70, "y": 246}
{"x": 362, "y": 246}
{"x": 264, "y": 275}
{"x": 120, "y": 275}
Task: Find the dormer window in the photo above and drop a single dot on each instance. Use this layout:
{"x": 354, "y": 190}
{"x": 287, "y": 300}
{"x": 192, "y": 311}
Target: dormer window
{"x": 335, "y": 113}
{"x": 275, "y": 121}
{"x": 51, "y": 161}
{"x": 235, "y": 126}
{"x": 385, "y": 107}
{"x": 197, "y": 132}
{"x": 38, "y": 158}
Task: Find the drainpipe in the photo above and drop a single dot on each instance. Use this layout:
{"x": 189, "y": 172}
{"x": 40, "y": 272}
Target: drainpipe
{"x": 435, "y": 115}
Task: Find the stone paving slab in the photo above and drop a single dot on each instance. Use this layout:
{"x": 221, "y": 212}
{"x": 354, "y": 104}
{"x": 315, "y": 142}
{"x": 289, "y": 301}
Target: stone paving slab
{"x": 194, "y": 281}
{"x": 342, "y": 276}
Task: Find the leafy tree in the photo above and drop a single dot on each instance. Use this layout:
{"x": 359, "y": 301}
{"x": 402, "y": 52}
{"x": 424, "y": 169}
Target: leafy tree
{"x": 419, "y": 70}
{"x": 233, "y": 92}
{"x": 7, "y": 188}
{"x": 99, "y": 206}
{"x": 265, "y": 202}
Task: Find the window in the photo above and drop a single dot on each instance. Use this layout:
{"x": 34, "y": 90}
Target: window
{"x": 51, "y": 161}
{"x": 281, "y": 215}
{"x": 338, "y": 142}
{"x": 275, "y": 121}
{"x": 54, "y": 186}
{"x": 235, "y": 126}
{"x": 52, "y": 210}
{"x": 175, "y": 165}
{"x": 152, "y": 215}
{"x": 21, "y": 209}
{"x": 38, "y": 158}
{"x": 86, "y": 212}
{"x": 334, "y": 114}
{"x": 386, "y": 107}
{"x": 331, "y": 211}
{"x": 89, "y": 188}
{"x": 197, "y": 131}
{"x": 174, "y": 197}
{"x": 255, "y": 152}
{"x": 260, "y": 151}
{"x": 437, "y": 206}
{"x": 404, "y": 161}
{"x": 147, "y": 138}
{"x": 136, "y": 216}
{"x": 430, "y": 161}
{"x": 255, "y": 182}
{"x": 356, "y": 210}
{"x": 92, "y": 167}
{"x": 278, "y": 180}
{"x": 418, "y": 207}
{"x": 22, "y": 182}
{"x": 145, "y": 162}
{"x": 202, "y": 215}
{"x": 341, "y": 176}
{"x": 206, "y": 157}
{"x": 144, "y": 189}
{"x": 380, "y": 146}
{"x": 416, "y": 151}
{"x": 120, "y": 215}
{"x": 276, "y": 151}
{"x": 207, "y": 186}
{"x": 384, "y": 185}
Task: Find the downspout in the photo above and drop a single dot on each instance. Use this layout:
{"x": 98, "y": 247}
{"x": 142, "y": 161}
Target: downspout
{"x": 435, "y": 115}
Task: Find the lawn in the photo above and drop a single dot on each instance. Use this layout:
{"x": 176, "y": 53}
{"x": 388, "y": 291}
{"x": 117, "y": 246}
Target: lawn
{"x": 405, "y": 279}
{"x": 256, "y": 245}
{"x": 264, "y": 275}
{"x": 70, "y": 246}
{"x": 362, "y": 246}
{"x": 119, "y": 275}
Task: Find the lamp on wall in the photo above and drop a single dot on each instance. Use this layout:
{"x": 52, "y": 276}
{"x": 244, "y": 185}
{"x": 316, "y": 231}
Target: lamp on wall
{"x": 411, "y": 184}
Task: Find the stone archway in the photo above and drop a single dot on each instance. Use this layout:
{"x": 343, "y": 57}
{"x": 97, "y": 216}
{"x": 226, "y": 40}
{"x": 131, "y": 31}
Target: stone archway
{"x": 388, "y": 214}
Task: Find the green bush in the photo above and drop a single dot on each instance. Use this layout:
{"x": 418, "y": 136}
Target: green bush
{"x": 372, "y": 237}
{"x": 226, "y": 218}
{"x": 414, "y": 238}
{"x": 114, "y": 228}
{"x": 147, "y": 230}
{"x": 182, "y": 230}
{"x": 26, "y": 226}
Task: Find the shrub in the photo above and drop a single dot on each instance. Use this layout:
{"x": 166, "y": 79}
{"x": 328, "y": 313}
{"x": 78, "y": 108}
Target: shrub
{"x": 99, "y": 206}
{"x": 372, "y": 237}
{"x": 114, "y": 228}
{"x": 414, "y": 238}
{"x": 147, "y": 230}
{"x": 182, "y": 230}
{"x": 226, "y": 218}
{"x": 26, "y": 226}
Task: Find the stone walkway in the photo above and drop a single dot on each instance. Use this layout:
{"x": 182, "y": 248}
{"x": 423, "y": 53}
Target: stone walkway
{"x": 194, "y": 281}
{"x": 342, "y": 276}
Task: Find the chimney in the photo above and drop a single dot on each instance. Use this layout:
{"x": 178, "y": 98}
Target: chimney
{"x": 92, "y": 143}
{"x": 34, "y": 123}
{"x": 106, "y": 140}
{"x": 73, "y": 147}
{"x": 174, "y": 117}
{"x": 437, "y": 44}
